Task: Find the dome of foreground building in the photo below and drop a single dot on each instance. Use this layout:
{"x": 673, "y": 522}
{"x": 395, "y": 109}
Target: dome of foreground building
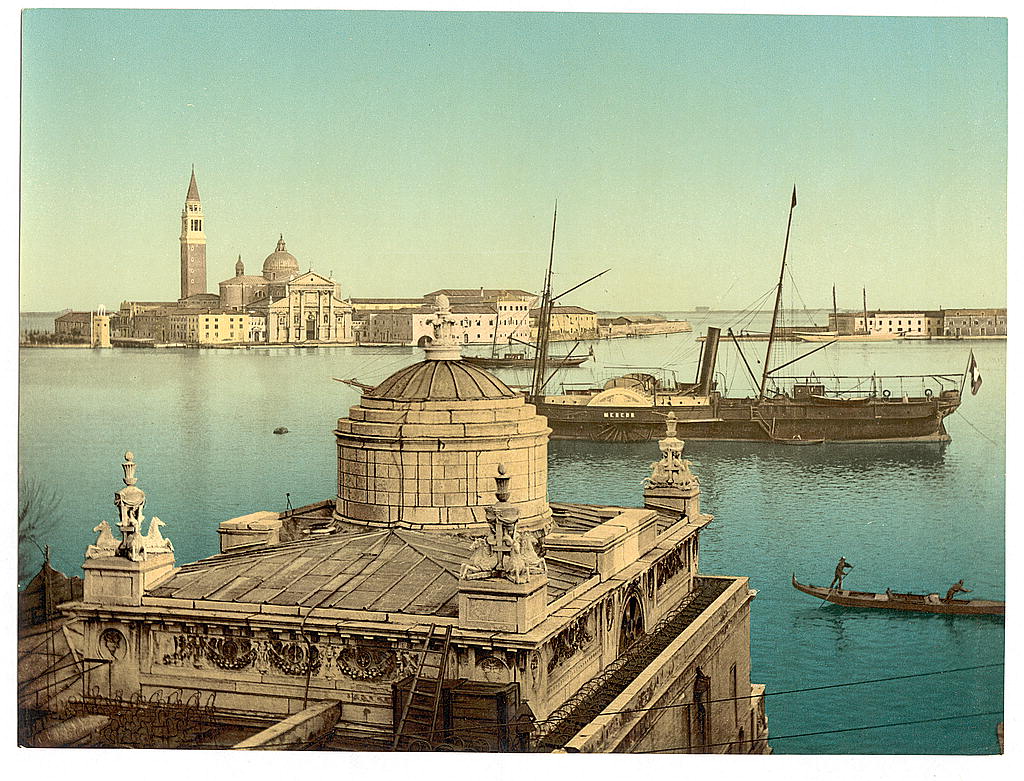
{"x": 421, "y": 449}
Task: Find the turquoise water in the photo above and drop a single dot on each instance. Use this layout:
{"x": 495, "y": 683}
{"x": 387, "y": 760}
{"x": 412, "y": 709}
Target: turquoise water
{"x": 912, "y": 517}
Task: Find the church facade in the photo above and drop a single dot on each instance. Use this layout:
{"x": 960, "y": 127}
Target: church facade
{"x": 293, "y": 306}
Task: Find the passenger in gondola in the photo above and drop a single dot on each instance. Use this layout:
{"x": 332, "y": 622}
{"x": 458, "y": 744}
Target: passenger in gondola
{"x": 955, "y": 589}
{"x": 841, "y": 567}
{"x": 888, "y": 593}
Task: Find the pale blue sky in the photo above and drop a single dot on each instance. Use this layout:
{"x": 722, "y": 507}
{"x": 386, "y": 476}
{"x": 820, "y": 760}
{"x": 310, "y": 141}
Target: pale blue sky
{"x": 409, "y": 151}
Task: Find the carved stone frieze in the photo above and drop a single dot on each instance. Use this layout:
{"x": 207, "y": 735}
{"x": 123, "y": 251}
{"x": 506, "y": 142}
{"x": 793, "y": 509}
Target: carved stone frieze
{"x": 291, "y": 657}
{"x": 567, "y": 643}
{"x": 671, "y": 565}
{"x": 369, "y": 663}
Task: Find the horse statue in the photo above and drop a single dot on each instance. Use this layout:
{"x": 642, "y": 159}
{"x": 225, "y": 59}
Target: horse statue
{"x": 106, "y": 543}
{"x": 481, "y": 562}
{"x": 154, "y": 541}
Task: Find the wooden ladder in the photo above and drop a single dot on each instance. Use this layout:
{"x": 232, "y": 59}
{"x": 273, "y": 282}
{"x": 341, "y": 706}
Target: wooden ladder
{"x": 424, "y": 696}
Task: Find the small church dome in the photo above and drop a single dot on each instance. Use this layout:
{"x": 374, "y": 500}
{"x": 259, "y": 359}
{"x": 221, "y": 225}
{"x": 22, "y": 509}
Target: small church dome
{"x": 280, "y": 264}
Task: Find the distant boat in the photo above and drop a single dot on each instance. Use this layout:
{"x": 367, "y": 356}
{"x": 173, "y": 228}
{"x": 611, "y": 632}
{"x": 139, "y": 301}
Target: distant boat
{"x": 280, "y": 430}
{"x": 832, "y": 336}
{"x": 918, "y": 603}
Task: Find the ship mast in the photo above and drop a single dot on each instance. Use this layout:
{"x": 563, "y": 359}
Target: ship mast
{"x": 778, "y": 300}
{"x": 544, "y": 321}
{"x": 864, "y": 291}
{"x": 835, "y": 311}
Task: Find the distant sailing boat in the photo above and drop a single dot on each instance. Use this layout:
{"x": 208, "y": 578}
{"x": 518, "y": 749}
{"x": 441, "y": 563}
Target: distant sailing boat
{"x": 520, "y": 359}
{"x": 859, "y": 336}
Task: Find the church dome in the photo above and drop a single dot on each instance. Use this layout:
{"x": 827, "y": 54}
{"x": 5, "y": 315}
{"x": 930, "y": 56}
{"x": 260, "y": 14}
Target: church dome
{"x": 433, "y": 380}
{"x": 280, "y": 264}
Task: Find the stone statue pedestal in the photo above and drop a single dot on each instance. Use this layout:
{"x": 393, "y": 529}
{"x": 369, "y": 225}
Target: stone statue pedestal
{"x": 502, "y": 606}
{"x": 254, "y": 529}
{"x": 114, "y": 580}
{"x": 675, "y": 499}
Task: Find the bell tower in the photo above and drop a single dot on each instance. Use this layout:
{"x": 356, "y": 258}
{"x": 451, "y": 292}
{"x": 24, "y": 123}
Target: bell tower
{"x": 193, "y": 243}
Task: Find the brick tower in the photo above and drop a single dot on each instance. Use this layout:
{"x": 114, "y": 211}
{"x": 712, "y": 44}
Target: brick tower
{"x": 193, "y": 243}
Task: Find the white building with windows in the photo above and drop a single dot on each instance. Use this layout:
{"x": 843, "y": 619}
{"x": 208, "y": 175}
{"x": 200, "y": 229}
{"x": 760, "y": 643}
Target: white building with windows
{"x": 915, "y": 323}
{"x": 483, "y": 316}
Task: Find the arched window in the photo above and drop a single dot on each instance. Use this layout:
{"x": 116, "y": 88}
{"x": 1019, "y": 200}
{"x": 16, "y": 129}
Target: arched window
{"x": 701, "y": 701}
{"x": 632, "y": 626}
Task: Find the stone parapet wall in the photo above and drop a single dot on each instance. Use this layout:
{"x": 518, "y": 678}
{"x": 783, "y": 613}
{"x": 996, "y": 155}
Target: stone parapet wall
{"x": 658, "y": 709}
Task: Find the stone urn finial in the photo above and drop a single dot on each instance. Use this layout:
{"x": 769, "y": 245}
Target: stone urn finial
{"x": 129, "y": 468}
{"x": 501, "y": 492}
{"x": 670, "y": 425}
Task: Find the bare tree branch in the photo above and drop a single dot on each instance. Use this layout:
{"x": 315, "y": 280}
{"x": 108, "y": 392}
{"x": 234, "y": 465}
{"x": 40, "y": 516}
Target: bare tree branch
{"x": 38, "y": 505}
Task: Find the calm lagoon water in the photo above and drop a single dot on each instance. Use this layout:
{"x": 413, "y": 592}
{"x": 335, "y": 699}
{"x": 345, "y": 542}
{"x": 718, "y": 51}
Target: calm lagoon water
{"x": 910, "y": 517}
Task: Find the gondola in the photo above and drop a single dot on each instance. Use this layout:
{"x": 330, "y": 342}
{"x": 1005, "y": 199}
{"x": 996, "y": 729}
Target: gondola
{"x": 920, "y": 603}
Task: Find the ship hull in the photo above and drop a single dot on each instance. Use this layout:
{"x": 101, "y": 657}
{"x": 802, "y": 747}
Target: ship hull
{"x": 831, "y": 337}
{"x": 741, "y": 420}
{"x": 519, "y": 363}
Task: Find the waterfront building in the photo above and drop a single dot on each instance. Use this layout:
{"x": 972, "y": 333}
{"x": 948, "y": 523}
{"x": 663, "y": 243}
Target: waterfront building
{"x": 637, "y": 325}
{"x": 907, "y": 322}
{"x": 439, "y": 600}
{"x": 74, "y": 325}
{"x": 152, "y": 324}
{"x": 193, "y": 242}
{"x": 964, "y": 323}
{"x": 974, "y": 322}
{"x": 84, "y": 327}
{"x": 206, "y": 327}
{"x": 364, "y": 308}
{"x": 846, "y": 323}
{"x": 483, "y": 316}
{"x": 567, "y": 322}
{"x": 503, "y": 319}
{"x": 475, "y": 324}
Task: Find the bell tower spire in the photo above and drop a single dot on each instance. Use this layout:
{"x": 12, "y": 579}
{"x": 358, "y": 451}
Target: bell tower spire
{"x": 193, "y": 242}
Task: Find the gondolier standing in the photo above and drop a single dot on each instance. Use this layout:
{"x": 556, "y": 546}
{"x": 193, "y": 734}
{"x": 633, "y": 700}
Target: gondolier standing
{"x": 955, "y": 589}
{"x": 841, "y": 567}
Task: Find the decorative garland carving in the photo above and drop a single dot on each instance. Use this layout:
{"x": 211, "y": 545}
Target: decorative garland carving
{"x": 366, "y": 663}
{"x": 291, "y": 657}
{"x": 569, "y": 641}
{"x": 231, "y": 653}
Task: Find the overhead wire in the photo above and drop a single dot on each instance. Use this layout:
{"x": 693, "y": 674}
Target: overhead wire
{"x": 774, "y": 738}
{"x": 801, "y": 690}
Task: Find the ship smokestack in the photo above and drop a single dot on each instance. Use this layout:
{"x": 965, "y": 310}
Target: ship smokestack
{"x": 705, "y": 376}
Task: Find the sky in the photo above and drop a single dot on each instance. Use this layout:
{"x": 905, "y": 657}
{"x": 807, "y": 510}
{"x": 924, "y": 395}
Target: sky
{"x": 405, "y": 152}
